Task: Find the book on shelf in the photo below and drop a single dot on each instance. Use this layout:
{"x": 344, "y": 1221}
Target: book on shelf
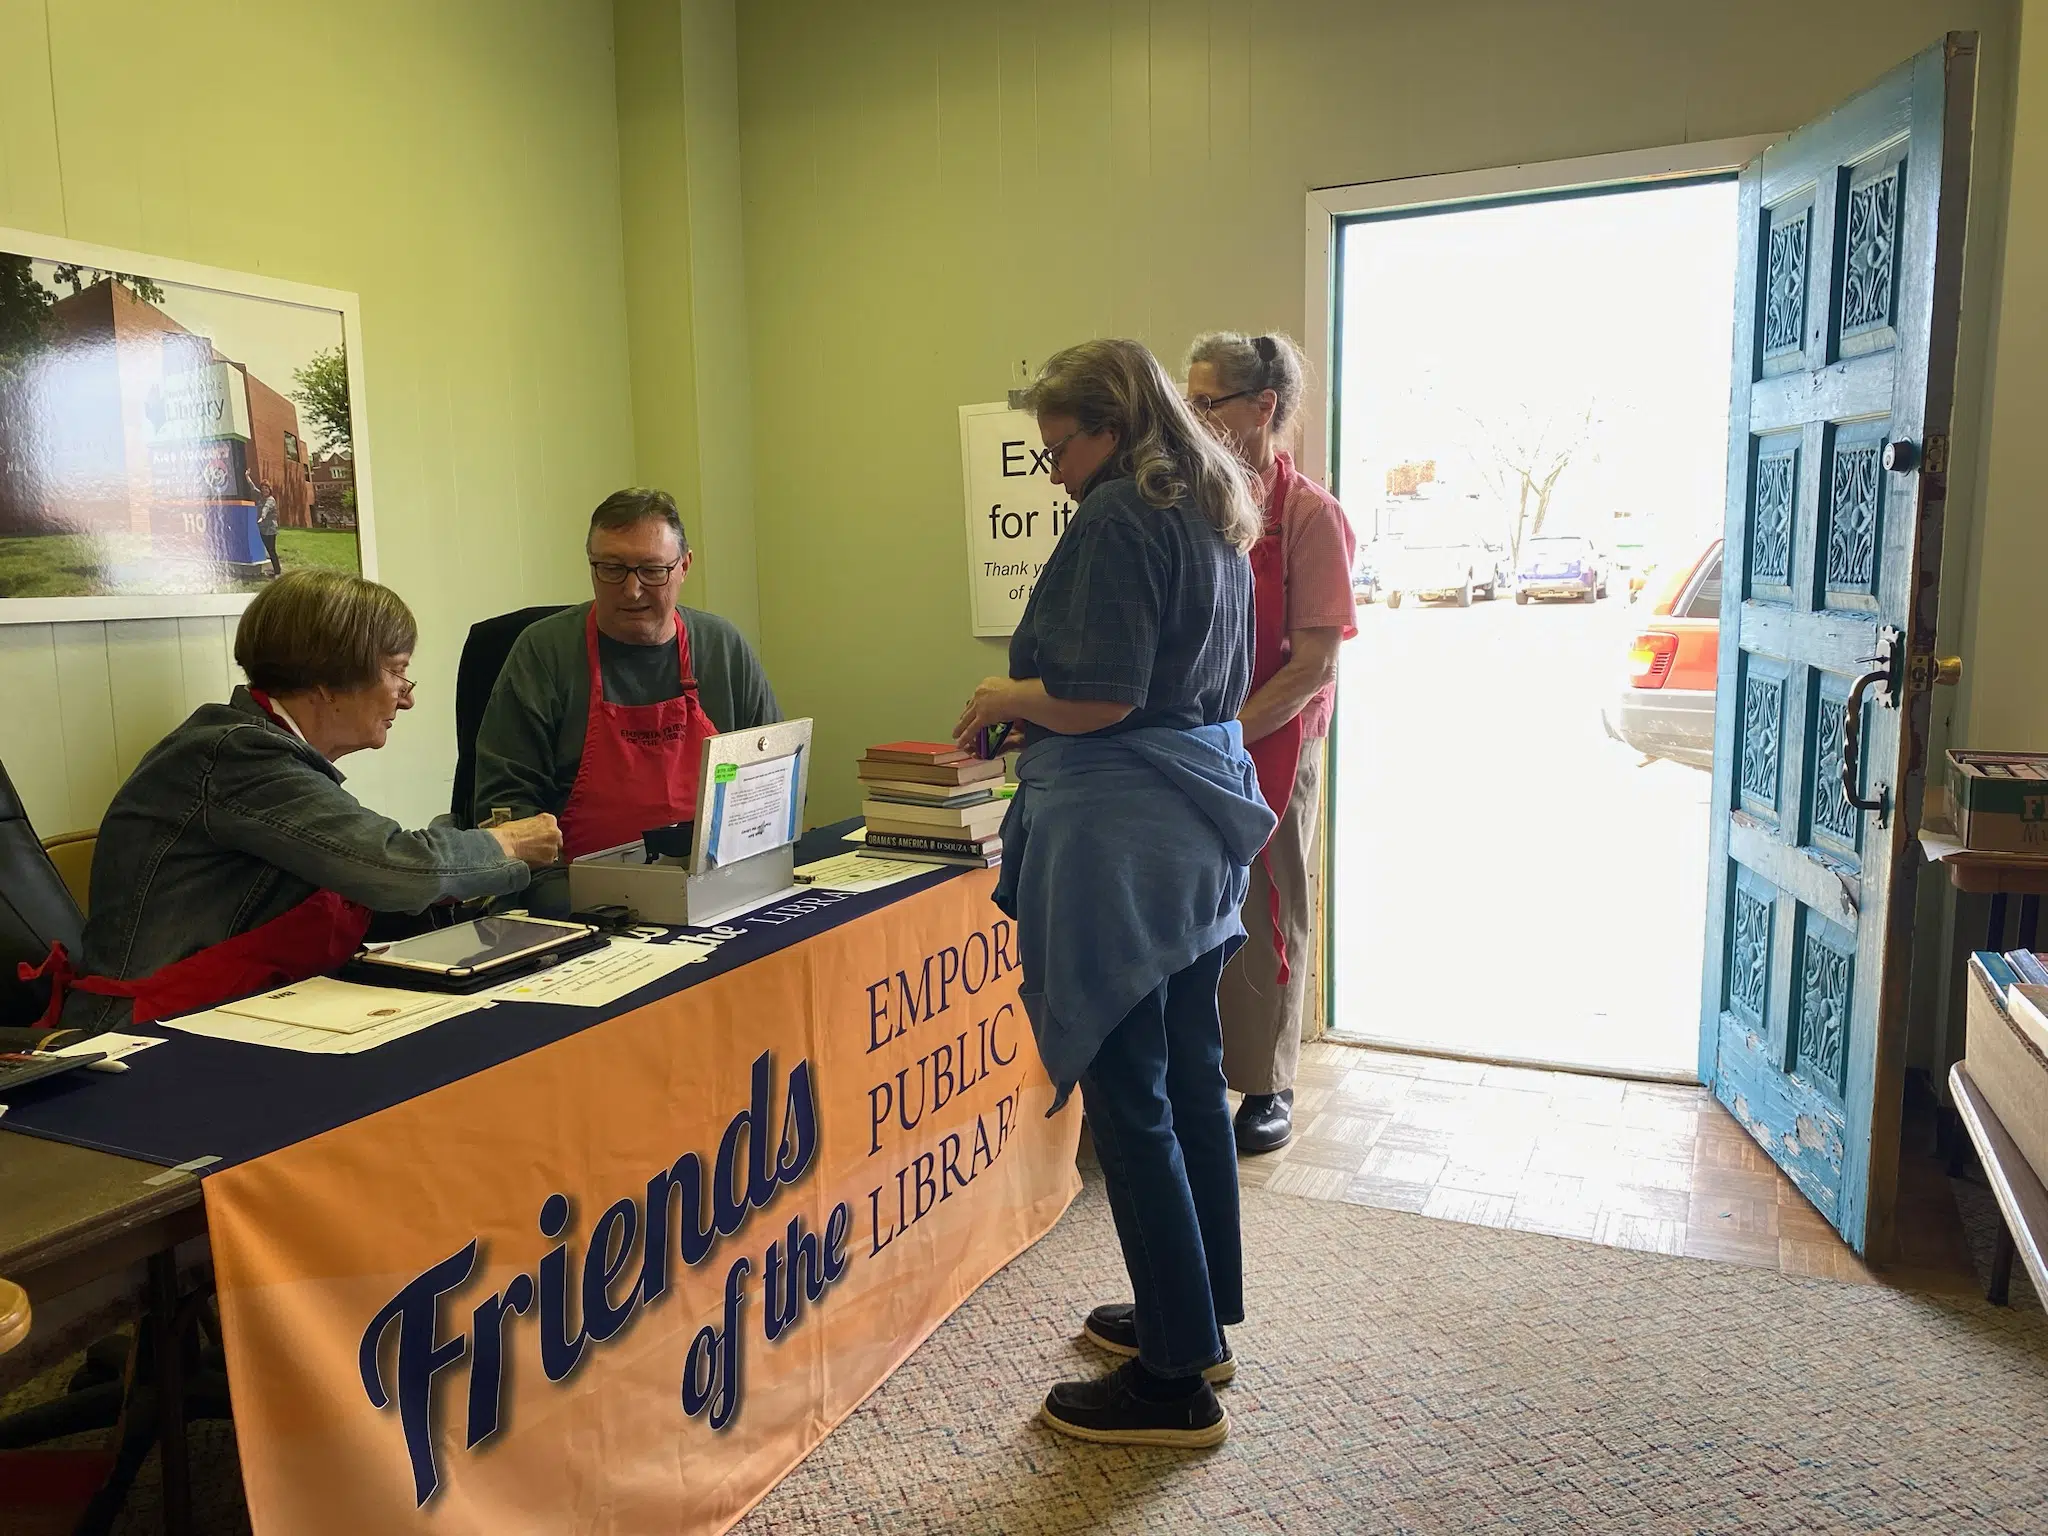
{"x": 933, "y": 841}
{"x": 906, "y": 793}
{"x": 2029, "y": 966}
{"x": 979, "y": 820}
{"x": 967, "y": 770}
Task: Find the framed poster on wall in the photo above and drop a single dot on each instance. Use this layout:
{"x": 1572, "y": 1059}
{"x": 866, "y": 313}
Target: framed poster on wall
{"x": 172, "y": 436}
{"x": 1015, "y": 513}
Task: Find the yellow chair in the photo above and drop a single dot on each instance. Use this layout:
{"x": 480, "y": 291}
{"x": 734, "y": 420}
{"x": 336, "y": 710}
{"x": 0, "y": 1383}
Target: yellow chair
{"x": 71, "y": 852}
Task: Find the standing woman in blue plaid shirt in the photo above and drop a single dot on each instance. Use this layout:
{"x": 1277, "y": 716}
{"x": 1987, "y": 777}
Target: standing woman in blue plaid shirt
{"x": 1125, "y": 856}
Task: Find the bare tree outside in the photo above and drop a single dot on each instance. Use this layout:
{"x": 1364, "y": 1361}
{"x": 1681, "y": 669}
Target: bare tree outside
{"x": 1520, "y": 453}
{"x": 1548, "y": 377}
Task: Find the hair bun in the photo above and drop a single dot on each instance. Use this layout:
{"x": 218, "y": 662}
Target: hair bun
{"x": 1263, "y": 345}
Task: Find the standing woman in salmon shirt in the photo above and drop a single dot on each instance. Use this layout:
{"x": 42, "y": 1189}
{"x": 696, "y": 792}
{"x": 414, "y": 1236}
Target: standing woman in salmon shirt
{"x": 1248, "y": 389}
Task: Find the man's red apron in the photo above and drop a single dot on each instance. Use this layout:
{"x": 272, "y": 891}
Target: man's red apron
{"x": 1276, "y": 756}
{"x": 640, "y": 761}
{"x": 316, "y": 936}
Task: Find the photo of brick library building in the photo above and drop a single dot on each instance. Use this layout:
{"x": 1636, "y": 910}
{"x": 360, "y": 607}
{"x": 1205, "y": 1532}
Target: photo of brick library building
{"x": 137, "y": 455}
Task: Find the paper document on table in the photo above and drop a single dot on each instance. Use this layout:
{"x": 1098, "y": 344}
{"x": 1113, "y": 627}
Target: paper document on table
{"x": 753, "y": 808}
{"x": 857, "y": 872}
{"x": 218, "y": 1024}
{"x": 110, "y": 1045}
{"x": 857, "y": 835}
{"x": 345, "y": 1007}
{"x": 603, "y": 976}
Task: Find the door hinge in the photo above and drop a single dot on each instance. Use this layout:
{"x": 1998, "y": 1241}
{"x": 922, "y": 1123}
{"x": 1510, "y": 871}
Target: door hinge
{"x": 1934, "y": 453}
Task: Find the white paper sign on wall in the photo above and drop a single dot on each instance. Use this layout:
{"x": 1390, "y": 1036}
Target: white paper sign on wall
{"x": 1014, "y": 512}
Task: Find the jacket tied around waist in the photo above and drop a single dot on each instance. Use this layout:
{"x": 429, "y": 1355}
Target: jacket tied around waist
{"x": 1125, "y": 859}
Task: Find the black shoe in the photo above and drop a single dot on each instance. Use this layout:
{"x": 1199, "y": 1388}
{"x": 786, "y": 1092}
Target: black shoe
{"x": 1265, "y": 1122}
{"x": 1114, "y": 1328}
{"x": 1114, "y": 1410}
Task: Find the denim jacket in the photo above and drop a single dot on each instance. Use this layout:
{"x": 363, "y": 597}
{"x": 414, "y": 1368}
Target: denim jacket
{"x": 1125, "y": 860}
{"x": 230, "y": 821}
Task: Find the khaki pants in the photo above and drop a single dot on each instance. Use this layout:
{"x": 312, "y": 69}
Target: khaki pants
{"x": 1262, "y": 1020}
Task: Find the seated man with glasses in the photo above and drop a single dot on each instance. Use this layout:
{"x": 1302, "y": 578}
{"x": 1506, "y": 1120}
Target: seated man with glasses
{"x": 601, "y": 709}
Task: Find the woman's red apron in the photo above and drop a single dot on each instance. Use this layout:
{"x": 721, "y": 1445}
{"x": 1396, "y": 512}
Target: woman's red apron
{"x": 640, "y": 761}
{"x": 1277, "y": 755}
{"x": 318, "y": 935}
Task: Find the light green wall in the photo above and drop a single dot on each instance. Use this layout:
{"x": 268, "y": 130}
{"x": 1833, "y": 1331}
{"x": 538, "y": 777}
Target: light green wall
{"x": 1995, "y": 621}
{"x": 679, "y": 159}
{"x": 936, "y": 191}
{"x": 456, "y": 165}
{"x": 2005, "y": 702}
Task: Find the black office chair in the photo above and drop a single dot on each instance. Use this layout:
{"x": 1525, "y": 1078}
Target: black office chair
{"x": 36, "y": 910}
{"x": 483, "y": 658}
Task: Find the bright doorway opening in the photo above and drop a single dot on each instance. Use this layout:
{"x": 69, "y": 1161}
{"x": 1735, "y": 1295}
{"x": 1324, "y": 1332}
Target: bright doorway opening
{"x": 1530, "y": 413}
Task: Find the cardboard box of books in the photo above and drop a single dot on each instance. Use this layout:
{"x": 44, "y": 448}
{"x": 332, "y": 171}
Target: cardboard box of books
{"x": 2006, "y": 1050}
{"x": 1999, "y": 800}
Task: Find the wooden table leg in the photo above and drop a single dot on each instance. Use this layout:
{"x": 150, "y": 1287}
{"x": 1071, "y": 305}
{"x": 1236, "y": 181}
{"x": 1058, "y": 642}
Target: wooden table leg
{"x": 2030, "y": 920}
{"x": 1994, "y": 928}
{"x": 170, "y": 1394}
{"x": 2000, "y": 1291}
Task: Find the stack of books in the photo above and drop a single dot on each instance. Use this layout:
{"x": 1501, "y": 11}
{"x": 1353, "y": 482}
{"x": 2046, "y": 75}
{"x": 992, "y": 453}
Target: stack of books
{"x": 931, "y": 803}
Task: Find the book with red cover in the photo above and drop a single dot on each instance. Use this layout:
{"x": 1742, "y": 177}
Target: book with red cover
{"x": 918, "y": 752}
{"x": 966, "y": 771}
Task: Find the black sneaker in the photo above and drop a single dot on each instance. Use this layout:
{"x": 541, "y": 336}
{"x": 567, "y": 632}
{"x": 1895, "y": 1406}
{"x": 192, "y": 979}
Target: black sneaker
{"x": 1265, "y": 1122}
{"x": 1111, "y": 1410}
{"x": 1115, "y": 1329}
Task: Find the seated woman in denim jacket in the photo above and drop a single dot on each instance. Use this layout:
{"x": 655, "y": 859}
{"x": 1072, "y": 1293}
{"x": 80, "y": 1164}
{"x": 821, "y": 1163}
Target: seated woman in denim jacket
{"x": 233, "y": 861}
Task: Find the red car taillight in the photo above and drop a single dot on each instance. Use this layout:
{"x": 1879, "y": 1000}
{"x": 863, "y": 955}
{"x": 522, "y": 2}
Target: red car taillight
{"x": 1649, "y": 659}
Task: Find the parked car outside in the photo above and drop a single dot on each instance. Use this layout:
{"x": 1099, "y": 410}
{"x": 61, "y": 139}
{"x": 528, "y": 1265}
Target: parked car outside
{"x": 1365, "y": 574}
{"x": 1459, "y": 570}
{"x": 1665, "y": 707}
{"x": 1503, "y": 568}
{"x": 1561, "y": 565}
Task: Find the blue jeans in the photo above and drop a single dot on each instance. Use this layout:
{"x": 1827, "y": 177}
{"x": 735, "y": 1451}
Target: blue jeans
{"x": 1161, "y": 1125}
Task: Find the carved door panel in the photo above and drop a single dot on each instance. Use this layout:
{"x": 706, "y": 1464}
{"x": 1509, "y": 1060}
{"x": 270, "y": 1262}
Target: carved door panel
{"x": 1847, "y": 299}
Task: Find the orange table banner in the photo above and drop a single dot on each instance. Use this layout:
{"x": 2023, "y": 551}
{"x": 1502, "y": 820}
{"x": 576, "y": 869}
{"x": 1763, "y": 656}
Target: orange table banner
{"x": 625, "y": 1282}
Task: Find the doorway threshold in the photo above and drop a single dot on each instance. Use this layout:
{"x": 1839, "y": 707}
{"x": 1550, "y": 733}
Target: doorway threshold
{"x": 1502, "y": 1059}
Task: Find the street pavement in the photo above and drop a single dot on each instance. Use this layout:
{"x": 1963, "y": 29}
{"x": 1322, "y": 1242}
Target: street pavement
{"x": 1509, "y": 881}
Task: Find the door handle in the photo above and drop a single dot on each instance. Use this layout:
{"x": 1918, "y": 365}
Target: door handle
{"x": 1852, "y": 730}
{"x": 1935, "y": 672}
{"x": 1891, "y": 647}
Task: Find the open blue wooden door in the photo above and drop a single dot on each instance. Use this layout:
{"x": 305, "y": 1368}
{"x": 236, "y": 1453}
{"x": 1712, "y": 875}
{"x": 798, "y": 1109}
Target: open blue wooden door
{"x": 1847, "y": 299}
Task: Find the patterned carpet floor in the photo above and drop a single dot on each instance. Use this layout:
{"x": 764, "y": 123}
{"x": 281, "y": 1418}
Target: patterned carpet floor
{"x": 1400, "y": 1374}
{"x": 1404, "y": 1374}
